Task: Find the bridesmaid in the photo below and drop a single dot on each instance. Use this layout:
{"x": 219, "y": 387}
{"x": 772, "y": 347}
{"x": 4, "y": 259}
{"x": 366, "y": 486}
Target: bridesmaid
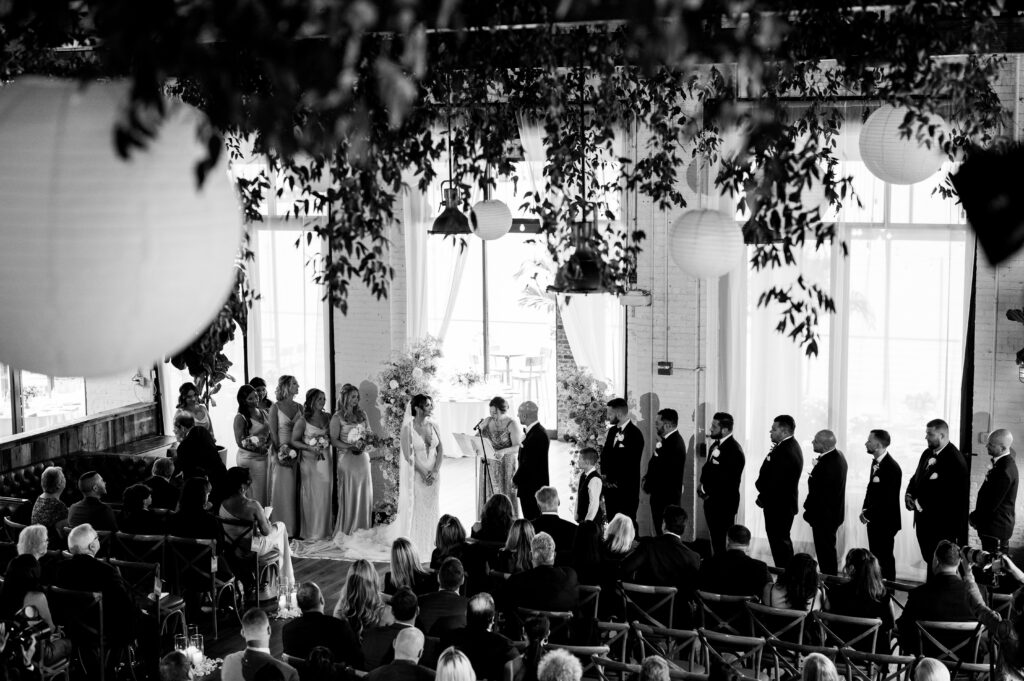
{"x": 261, "y": 390}
{"x": 282, "y": 467}
{"x": 252, "y": 433}
{"x": 314, "y": 467}
{"x": 188, "y": 400}
{"x": 355, "y": 486}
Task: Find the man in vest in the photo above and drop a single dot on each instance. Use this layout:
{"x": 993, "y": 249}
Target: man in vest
{"x": 589, "y": 491}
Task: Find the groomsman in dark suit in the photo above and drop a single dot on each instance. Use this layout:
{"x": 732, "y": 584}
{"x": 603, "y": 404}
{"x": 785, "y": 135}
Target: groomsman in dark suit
{"x": 620, "y": 461}
{"x": 881, "y": 509}
{"x": 664, "y": 477}
{"x": 720, "y": 480}
{"x": 825, "y": 505}
{"x": 777, "y": 487}
{"x": 993, "y": 514}
{"x": 532, "y": 473}
{"x": 939, "y": 493}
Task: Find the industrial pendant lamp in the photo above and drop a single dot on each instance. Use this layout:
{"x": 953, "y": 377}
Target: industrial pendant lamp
{"x": 451, "y": 221}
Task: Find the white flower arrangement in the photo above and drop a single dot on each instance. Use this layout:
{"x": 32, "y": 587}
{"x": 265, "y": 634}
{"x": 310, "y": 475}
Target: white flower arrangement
{"x": 254, "y": 443}
{"x": 356, "y": 434}
{"x": 321, "y": 444}
{"x": 286, "y": 455}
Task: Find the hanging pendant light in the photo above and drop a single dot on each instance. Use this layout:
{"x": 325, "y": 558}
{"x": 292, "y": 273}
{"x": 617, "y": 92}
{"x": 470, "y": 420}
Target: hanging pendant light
{"x": 451, "y": 221}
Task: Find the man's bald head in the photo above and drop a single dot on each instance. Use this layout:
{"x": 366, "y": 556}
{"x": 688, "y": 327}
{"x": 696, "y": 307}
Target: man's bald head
{"x": 409, "y": 644}
{"x": 83, "y": 540}
{"x": 528, "y": 412}
{"x": 999, "y": 442}
{"x": 824, "y": 441}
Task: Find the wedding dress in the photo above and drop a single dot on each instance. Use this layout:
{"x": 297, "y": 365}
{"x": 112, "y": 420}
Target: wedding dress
{"x": 424, "y": 505}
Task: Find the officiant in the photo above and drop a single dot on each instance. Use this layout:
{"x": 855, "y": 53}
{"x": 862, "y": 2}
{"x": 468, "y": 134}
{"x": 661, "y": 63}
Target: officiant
{"x": 505, "y": 436}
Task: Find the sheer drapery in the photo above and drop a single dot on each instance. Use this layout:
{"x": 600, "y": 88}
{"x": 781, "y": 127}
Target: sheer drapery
{"x": 416, "y": 220}
{"x": 593, "y": 326}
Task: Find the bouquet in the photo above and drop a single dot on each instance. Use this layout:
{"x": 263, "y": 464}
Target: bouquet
{"x": 287, "y": 456}
{"x": 254, "y": 443}
{"x": 320, "y": 443}
{"x": 357, "y": 435}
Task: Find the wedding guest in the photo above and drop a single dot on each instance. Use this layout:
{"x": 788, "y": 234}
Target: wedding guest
{"x": 48, "y": 510}
{"x": 444, "y": 609}
{"x": 261, "y": 391}
{"x": 359, "y": 601}
{"x": 620, "y": 461}
{"x": 406, "y": 666}
{"x": 406, "y": 570}
{"x": 532, "y": 473}
{"x": 238, "y": 506}
{"x": 930, "y": 669}
{"x": 314, "y": 628}
{"x": 197, "y": 455}
{"x": 175, "y": 666}
{"x": 495, "y": 520}
{"x": 23, "y": 589}
{"x": 589, "y": 490}
{"x": 817, "y": 667}
{"x": 320, "y": 666}
{"x": 90, "y": 509}
{"x": 349, "y": 431}
{"x": 165, "y": 495}
{"x": 537, "y": 630}
{"x": 864, "y": 595}
{"x": 505, "y": 436}
{"x": 517, "y": 554}
{"x": 136, "y": 516}
{"x": 654, "y": 668}
{"x": 193, "y": 519}
{"x": 283, "y": 457}
{"x": 544, "y": 586}
{"x": 453, "y": 665}
{"x": 449, "y": 540}
{"x": 378, "y": 641}
{"x": 798, "y": 587}
{"x": 561, "y": 530}
{"x": 559, "y": 665}
{"x": 252, "y": 435}
{"x": 255, "y": 662}
{"x": 586, "y": 554}
{"x": 619, "y": 537}
{"x": 309, "y": 437}
{"x": 492, "y": 655}
{"x": 188, "y": 402}
{"x": 732, "y": 571}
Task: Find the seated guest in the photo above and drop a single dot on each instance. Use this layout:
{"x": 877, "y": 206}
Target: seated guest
{"x": 733, "y": 571}
{"x": 453, "y": 665}
{"x": 559, "y": 665}
{"x": 449, "y": 541}
{"x": 798, "y": 587}
{"x": 251, "y": 664}
{"x": 359, "y": 601}
{"x": 378, "y": 641}
{"x": 619, "y": 538}
{"x": 406, "y": 570}
{"x": 197, "y": 455}
{"x": 945, "y": 597}
{"x": 817, "y": 667}
{"x": 22, "y": 583}
{"x": 543, "y": 587}
{"x": 48, "y": 510}
{"x": 930, "y": 669}
{"x": 136, "y": 518}
{"x": 561, "y": 530}
{"x": 406, "y": 665}
{"x": 34, "y": 541}
{"x": 495, "y": 520}
{"x": 863, "y": 596}
{"x": 84, "y": 572}
{"x": 654, "y": 668}
{"x": 174, "y": 666}
{"x": 537, "y": 630}
{"x": 238, "y": 506}
{"x": 314, "y": 628}
{"x": 193, "y": 519}
{"x": 444, "y": 609}
{"x": 517, "y": 554}
{"x": 165, "y": 495}
{"x": 90, "y": 510}
{"x": 665, "y": 561}
{"x": 586, "y": 554}
{"x": 492, "y": 655}
{"x": 320, "y": 666}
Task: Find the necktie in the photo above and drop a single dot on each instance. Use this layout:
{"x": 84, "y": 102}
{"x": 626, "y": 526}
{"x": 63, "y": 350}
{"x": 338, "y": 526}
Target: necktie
{"x": 714, "y": 446}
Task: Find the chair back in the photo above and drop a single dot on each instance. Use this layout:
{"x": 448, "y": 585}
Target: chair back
{"x": 615, "y": 635}
{"x": 654, "y": 605}
{"x": 590, "y": 596}
{"x": 860, "y": 633}
{"x": 788, "y": 658}
{"x": 898, "y": 592}
{"x": 9, "y": 505}
{"x": 12, "y": 528}
{"x": 861, "y": 666}
{"x": 724, "y": 612}
{"x": 191, "y": 563}
{"x": 742, "y": 653}
{"x": 614, "y": 670}
{"x": 1003, "y": 604}
{"x": 585, "y": 654}
{"x": 79, "y": 612}
{"x": 140, "y": 577}
{"x": 952, "y": 643}
{"x": 780, "y": 623}
{"x": 140, "y": 548}
{"x": 561, "y": 622}
{"x": 8, "y": 552}
{"x": 677, "y": 646}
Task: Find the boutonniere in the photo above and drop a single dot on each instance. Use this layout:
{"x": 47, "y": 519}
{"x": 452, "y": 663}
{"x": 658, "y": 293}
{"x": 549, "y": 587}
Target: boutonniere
{"x": 714, "y": 460}
{"x": 933, "y": 476}
{"x": 768, "y": 458}
{"x": 620, "y": 436}
{"x": 816, "y": 460}
{"x": 714, "y": 456}
{"x": 875, "y": 479}
{"x": 931, "y": 462}
{"x": 657, "y": 445}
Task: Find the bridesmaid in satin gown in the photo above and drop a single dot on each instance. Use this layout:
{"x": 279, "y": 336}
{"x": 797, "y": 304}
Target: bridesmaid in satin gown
{"x": 314, "y": 466}
{"x": 355, "y": 486}
{"x": 251, "y": 421}
{"x": 283, "y": 487}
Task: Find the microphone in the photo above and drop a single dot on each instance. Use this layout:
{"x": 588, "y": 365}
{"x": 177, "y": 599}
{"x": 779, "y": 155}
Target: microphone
{"x": 480, "y": 423}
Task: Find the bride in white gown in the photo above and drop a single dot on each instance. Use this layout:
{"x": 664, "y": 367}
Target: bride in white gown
{"x": 422, "y": 455}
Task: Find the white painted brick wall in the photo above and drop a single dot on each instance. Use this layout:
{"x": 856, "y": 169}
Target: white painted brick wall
{"x": 116, "y": 391}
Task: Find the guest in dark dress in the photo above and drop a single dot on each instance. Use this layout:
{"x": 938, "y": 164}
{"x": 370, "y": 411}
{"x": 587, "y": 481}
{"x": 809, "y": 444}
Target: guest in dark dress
{"x": 193, "y": 519}
{"x": 495, "y": 520}
{"x": 537, "y": 630}
{"x": 586, "y": 553}
{"x": 48, "y": 510}
{"x": 136, "y": 518}
{"x": 863, "y": 596}
{"x": 165, "y": 494}
{"x": 517, "y": 555}
{"x": 449, "y": 542}
{"x": 406, "y": 570}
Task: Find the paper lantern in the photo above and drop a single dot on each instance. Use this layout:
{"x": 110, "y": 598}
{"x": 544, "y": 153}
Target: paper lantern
{"x": 706, "y": 243}
{"x": 491, "y": 219}
{"x": 105, "y": 264}
{"x": 895, "y": 159}
{"x": 697, "y": 175}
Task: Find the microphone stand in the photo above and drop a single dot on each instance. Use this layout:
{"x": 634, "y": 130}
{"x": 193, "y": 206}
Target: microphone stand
{"x": 486, "y": 484}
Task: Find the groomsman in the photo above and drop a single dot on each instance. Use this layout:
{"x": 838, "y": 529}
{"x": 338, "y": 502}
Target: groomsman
{"x": 825, "y": 505}
{"x": 532, "y": 473}
{"x": 664, "y": 477}
{"x": 620, "y": 461}
{"x": 993, "y": 514}
{"x": 720, "y": 480}
{"x": 777, "y": 487}
{"x": 881, "y": 509}
{"x": 939, "y": 493}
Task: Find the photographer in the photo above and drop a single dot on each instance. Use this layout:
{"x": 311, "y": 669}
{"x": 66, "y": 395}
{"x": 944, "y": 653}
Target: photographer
{"x": 1007, "y": 634}
{"x": 16, "y": 655}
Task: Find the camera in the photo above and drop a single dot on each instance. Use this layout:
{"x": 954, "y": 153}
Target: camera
{"x": 24, "y": 631}
{"x": 985, "y": 561}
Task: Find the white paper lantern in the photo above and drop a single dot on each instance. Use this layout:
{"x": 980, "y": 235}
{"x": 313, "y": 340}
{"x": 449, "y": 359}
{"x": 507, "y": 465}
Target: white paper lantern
{"x": 490, "y": 219}
{"x": 697, "y": 175}
{"x": 895, "y": 159}
{"x": 105, "y": 264}
{"x": 706, "y": 243}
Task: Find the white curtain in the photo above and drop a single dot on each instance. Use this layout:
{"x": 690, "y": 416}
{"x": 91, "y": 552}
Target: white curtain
{"x": 416, "y": 220}
{"x": 453, "y": 292}
{"x": 593, "y": 326}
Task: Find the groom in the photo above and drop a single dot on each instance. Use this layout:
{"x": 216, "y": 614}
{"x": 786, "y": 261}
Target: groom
{"x": 532, "y": 473}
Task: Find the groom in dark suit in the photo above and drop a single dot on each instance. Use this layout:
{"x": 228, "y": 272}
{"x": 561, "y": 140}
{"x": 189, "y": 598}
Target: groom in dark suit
{"x": 620, "y": 461}
{"x": 720, "y": 480}
{"x": 532, "y": 473}
{"x": 664, "y": 477}
{"x": 881, "y": 510}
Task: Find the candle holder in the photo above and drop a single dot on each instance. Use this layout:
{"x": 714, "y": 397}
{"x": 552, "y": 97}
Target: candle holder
{"x": 181, "y": 642}
{"x": 195, "y": 650}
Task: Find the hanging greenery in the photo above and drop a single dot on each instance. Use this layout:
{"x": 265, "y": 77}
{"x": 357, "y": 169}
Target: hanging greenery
{"x": 345, "y": 99}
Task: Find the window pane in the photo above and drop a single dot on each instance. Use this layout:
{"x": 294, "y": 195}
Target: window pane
{"x": 869, "y": 189}
{"x": 48, "y": 401}
{"x": 6, "y": 423}
{"x": 451, "y": 268}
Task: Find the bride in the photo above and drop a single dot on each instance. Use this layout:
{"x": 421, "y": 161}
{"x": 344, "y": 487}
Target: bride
{"x": 422, "y": 456}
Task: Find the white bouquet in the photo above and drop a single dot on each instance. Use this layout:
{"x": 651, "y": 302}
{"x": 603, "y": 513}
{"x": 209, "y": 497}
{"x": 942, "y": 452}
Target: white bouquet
{"x": 356, "y": 434}
{"x": 320, "y": 443}
{"x": 254, "y": 443}
{"x": 287, "y": 455}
